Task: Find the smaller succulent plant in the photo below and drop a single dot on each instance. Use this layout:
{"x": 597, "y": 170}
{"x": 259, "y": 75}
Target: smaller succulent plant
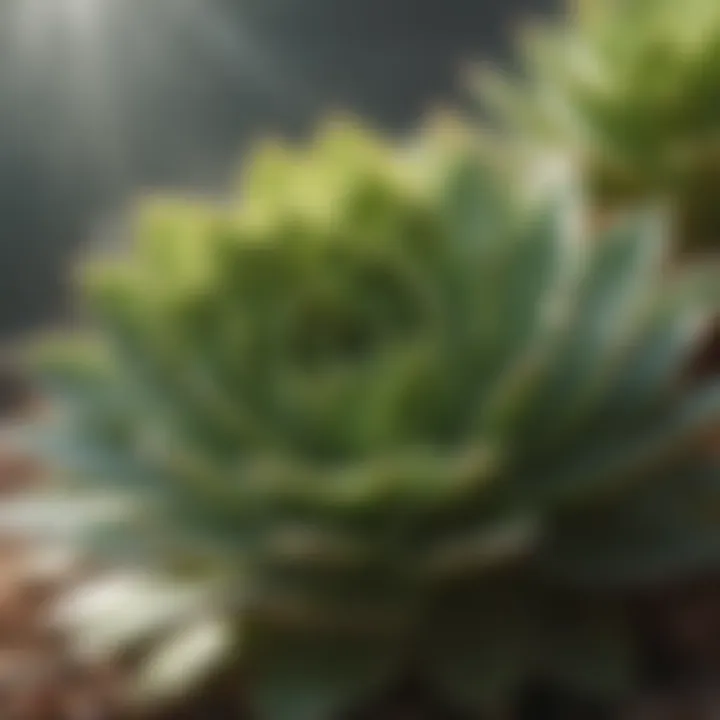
{"x": 381, "y": 415}
{"x": 629, "y": 88}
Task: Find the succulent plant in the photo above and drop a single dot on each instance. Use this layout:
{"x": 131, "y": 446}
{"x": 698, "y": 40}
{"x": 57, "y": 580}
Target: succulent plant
{"x": 383, "y": 414}
{"x": 629, "y": 87}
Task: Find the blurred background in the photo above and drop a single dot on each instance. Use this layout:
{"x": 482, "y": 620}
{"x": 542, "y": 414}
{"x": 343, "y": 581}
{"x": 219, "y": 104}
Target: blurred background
{"x": 99, "y": 98}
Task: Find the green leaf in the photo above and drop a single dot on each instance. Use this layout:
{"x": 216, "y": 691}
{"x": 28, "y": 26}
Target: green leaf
{"x": 618, "y": 287}
{"x": 475, "y": 209}
{"x": 314, "y": 677}
{"x": 479, "y": 645}
{"x": 537, "y": 288}
{"x": 663, "y": 531}
{"x": 583, "y": 643}
{"x": 484, "y": 549}
{"x": 608, "y": 465}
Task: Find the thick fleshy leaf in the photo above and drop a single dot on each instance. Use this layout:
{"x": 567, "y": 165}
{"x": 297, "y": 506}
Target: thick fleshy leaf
{"x": 666, "y": 530}
{"x": 108, "y": 616}
{"x": 64, "y": 517}
{"x": 476, "y": 208}
{"x": 314, "y": 677}
{"x": 185, "y": 659}
{"x": 583, "y": 643}
{"x": 471, "y": 553}
{"x": 660, "y": 355}
{"x": 537, "y": 288}
{"x": 480, "y": 645}
{"x": 617, "y": 288}
{"x": 608, "y": 465}
{"x": 629, "y": 89}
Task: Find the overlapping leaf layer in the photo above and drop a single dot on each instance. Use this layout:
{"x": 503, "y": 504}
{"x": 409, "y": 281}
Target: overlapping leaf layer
{"x": 381, "y": 414}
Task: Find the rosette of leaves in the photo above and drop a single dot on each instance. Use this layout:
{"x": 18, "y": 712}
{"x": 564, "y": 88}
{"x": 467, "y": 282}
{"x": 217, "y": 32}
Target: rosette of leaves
{"x": 380, "y": 415}
{"x": 629, "y": 89}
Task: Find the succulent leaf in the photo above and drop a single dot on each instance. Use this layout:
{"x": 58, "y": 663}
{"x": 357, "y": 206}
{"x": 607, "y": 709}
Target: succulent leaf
{"x": 379, "y": 404}
{"x": 628, "y": 89}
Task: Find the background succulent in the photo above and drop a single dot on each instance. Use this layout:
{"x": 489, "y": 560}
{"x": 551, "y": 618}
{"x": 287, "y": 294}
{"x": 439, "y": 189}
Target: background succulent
{"x": 630, "y": 89}
{"x": 381, "y": 414}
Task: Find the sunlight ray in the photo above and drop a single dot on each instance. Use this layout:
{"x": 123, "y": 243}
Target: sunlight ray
{"x": 85, "y": 73}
